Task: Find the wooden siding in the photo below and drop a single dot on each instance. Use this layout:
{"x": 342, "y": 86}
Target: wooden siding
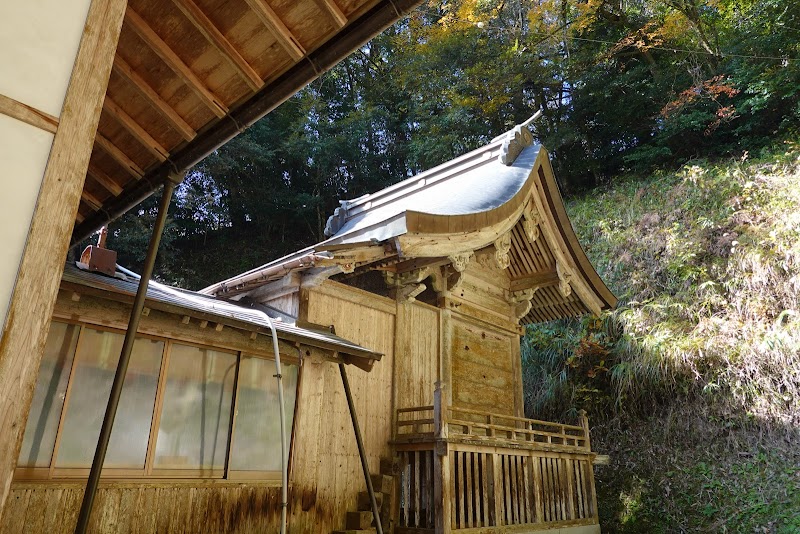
{"x": 416, "y": 354}
{"x": 157, "y": 508}
{"x": 288, "y": 304}
{"x": 484, "y": 367}
{"x": 326, "y": 471}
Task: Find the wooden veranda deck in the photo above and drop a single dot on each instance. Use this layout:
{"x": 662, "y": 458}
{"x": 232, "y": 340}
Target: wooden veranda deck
{"x": 468, "y": 471}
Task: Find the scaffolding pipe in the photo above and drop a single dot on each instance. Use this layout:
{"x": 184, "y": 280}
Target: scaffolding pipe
{"x": 361, "y": 452}
{"x": 124, "y": 358}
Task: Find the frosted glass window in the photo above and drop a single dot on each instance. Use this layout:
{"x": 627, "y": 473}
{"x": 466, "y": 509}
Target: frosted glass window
{"x": 257, "y": 435}
{"x": 95, "y": 366}
{"x": 48, "y": 397}
{"x": 195, "y": 416}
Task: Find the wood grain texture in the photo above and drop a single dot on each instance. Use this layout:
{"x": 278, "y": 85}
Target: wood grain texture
{"x": 40, "y": 271}
{"x": 156, "y": 508}
{"x": 28, "y": 114}
{"x": 326, "y": 471}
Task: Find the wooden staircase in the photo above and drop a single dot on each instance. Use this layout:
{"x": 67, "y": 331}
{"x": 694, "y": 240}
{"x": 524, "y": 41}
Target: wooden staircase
{"x": 362, "y": 521}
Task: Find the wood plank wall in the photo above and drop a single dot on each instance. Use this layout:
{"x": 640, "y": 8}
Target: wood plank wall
{"x": 484, "y": 341}
{"x": 289, "y": 304}
{"x": 326, "y": 471}
{"x": 416, "y": 354}
{"x": 484, "y": 372}
{"x": 136, "y": 508}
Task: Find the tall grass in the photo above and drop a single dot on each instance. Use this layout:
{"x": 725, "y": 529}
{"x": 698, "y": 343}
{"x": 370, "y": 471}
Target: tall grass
{"x": 706, "y": 262}
{"x": 693, "y": 382}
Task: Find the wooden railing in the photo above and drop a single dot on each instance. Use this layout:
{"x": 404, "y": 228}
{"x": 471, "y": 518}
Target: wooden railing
{"x": 467, "y": 469}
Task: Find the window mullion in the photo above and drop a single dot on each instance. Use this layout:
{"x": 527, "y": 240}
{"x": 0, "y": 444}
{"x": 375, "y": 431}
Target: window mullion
{"x": 63, "y": 413}
{"x": 157, "y": 407}
{"x": 232, "y": 422}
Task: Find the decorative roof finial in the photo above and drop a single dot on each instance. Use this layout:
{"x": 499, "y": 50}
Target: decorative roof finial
{"x": 516, "y": 140}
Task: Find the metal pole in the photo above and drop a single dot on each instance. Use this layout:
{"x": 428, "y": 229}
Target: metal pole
{"x": 124, "y": 358}
{"x": 361, "y": 452}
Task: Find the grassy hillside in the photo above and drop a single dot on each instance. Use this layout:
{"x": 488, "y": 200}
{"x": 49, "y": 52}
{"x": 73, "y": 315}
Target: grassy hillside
{"x": 693, "y": 383}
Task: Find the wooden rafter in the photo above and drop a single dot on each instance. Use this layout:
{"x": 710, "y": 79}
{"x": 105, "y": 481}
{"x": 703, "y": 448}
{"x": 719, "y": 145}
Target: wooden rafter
{"x": 330, "y": 7}
{"x": 135, "y": 129}
{"x": 534, "y": 281}
{"x": 104, "y": 180}
{"x": 205, "y": 26}
{"x": 91, "y": 200}
{"x": 122, "y": 68}
{"x": 119, "y": 156}
{"x": 168, "y": 56}
{"x": 278, "y": 28}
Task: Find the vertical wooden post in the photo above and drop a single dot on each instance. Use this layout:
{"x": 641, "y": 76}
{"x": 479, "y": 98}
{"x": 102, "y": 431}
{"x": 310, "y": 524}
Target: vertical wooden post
{"x": 584, "y": 422}
{"x": 441, "y": 465}
{"x": 34, "y": 295}
{"x": 537, "y": 487}
{"x": 497, "y": 490}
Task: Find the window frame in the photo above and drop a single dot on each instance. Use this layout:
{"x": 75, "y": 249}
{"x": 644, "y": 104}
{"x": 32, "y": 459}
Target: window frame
{"x": 149, "y": 471}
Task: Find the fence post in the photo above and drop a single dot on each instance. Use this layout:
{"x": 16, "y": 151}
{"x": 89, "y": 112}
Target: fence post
{"x": 584, "y": 422}
{"x": 441, "y": 465}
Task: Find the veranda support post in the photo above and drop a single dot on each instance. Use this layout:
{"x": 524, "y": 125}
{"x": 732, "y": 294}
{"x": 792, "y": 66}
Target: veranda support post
{"x": 122, "y": 366}
{"x": 441, "y": 465}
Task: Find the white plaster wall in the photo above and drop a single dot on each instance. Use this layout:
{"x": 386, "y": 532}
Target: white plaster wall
{"x": 38, "y": 43}
{"x": 24, "y": 150}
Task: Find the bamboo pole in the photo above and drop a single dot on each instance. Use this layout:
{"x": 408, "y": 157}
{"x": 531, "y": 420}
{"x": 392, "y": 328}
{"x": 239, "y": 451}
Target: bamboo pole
{"x": 124, "y": 358}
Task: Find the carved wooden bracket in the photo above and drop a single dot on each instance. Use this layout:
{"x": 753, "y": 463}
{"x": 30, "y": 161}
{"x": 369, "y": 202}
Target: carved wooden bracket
{"x": 564, "y": 279}
{"x": 502, "y": 248}
{"x": 530, "y": 221}
{"x": 518, "y": 138}
{"x": 460, "y": 261}
{"x": 446, "y": 279}
{"x": 407, "y": 285}
{"x": 521, "y": 301}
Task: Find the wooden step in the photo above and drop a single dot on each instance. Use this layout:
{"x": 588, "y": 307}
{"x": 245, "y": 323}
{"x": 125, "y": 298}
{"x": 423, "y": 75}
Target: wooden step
{"x": 359, "y": 520}
{"x": 382, "y": 483}
{"x": 363, "y": 501}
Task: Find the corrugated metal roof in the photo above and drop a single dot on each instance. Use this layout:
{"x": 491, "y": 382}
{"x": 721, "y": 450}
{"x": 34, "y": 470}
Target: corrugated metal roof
{"x": 191, "y": 301}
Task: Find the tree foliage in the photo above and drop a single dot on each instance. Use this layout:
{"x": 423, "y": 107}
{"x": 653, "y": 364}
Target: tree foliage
{"x": 624, "y": 84}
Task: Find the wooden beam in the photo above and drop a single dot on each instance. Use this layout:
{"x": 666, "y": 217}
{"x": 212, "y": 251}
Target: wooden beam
{"x": 209, "y": 30}
{"x": 285, "y": 286}
{"x": 122, "y": 68}
{"x": 181, "y": 69}
{"x": 135, "y": 129}
{"x": 31, "y": 304}
{"x": 28, "y": 114}
{"x": 330, "y": 7}
{"x": 99, "y": 176}
{"x": 277, "y": 28}
{"x": 91, "y": 200}
{"x": 119, "y": 156}
{"x": 534, "y": 281}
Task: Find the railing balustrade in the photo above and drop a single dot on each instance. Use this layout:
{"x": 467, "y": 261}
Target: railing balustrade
{"x": 491, "y": 470}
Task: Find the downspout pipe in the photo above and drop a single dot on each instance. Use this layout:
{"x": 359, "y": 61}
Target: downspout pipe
{"x": 282, "y": 415}
{"x": 281, "y": 406}
{"x": 362, "y": 454}
{"x": 125, "y": 355}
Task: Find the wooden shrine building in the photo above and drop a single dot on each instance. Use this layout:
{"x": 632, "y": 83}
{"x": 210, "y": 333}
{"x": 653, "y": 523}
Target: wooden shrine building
{"x": 440, "y": 272}
{"x": 423, "y": 288}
